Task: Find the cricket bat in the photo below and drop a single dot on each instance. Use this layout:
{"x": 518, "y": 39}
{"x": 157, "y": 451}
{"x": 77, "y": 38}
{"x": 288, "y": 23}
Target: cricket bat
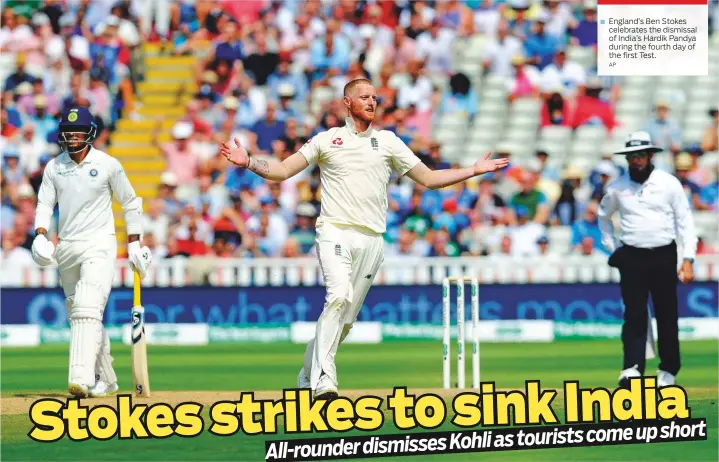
{"x": 140, "y": 377}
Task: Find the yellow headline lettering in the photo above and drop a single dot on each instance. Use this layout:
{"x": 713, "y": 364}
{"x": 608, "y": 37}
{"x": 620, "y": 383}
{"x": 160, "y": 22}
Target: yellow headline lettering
{"x": 53, "y": 419}
{"x": 302, "y": 414}
{"x": 638, "y": 402}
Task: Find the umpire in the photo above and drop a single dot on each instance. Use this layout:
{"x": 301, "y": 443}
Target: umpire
{"x": 654, "y": 212}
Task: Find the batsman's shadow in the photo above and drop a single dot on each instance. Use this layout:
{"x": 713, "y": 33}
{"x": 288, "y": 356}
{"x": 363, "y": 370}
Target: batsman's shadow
{"x": 41, "y": 395}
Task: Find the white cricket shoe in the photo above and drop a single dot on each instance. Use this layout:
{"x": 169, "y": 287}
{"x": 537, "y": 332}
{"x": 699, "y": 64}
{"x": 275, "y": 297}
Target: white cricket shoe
{"x": 628, "y": 374}
{"x": 102, "y": 389}
{"x": 302, "y": 380}
{"x": 78, "y": 390}
{"x": 665, "y": 379}
{"x": 326, "y": 389}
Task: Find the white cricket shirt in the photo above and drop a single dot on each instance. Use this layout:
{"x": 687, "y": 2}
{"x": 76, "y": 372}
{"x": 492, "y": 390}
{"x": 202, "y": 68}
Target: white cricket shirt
{"x": 652, "y": 214}
{"x": 355, "y": 168}
{"x": 83, "y": 193}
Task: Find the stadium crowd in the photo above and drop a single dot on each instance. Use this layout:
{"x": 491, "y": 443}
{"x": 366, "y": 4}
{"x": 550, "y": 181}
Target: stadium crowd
{"x": 254, "y": 82}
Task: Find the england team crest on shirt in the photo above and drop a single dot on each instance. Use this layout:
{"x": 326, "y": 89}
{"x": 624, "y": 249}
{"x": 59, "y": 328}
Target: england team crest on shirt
{"x": 93, "y": 172}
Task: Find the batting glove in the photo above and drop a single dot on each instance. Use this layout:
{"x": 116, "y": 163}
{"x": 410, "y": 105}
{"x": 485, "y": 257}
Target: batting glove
{"x": 140, "y": 258}
{"x": 42, "y": 250}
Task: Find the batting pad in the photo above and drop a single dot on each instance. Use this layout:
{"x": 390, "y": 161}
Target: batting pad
{"x": 103, "y": 365}
{"x": 85, "y": 339}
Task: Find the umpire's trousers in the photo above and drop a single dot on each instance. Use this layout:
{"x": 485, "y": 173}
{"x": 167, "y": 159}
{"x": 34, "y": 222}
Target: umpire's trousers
{"x": 644, "y": 272}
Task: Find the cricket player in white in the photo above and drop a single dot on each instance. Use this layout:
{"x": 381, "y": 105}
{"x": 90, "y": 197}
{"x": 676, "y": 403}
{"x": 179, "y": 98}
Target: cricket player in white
{"x": 81, "y": 181}
{"x": 355, "y": 162}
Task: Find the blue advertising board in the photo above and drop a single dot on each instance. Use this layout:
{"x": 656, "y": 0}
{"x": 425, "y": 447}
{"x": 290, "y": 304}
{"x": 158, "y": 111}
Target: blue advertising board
{"x": 391, "y": 304}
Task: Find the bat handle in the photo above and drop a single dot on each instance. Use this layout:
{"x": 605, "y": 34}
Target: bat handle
{"x": 137, "y": 285}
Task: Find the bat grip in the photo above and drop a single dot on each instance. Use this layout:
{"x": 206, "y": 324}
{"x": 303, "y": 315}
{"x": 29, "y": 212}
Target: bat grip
{"x": 137, "y": 285}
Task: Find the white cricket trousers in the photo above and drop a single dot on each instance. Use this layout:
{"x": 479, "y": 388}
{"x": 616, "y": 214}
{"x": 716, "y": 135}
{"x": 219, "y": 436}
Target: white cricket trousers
{"x": 349, "y": 258}
{"x": 87, "y": 269}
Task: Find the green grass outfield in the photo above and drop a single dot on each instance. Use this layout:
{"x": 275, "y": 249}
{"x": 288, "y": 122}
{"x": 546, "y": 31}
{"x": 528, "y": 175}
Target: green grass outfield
{"x": 42, "y": 371}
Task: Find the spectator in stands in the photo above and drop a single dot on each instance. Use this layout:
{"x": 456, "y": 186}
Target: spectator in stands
{"x": 35, "y": 179}
{"x": 568, "y": 207}
{"x": 710, "y": 140}
{"x": 683, "y": 164}
{"x": 156, "y": 222}
{"x": 190, "y": 245}
{"x": 560, "y": 17}
{"x": 710, "y": 194}
{"x": 663, "y": 129}
{"x": 12, "y": 172}
{"x": 525, "y": 81}
{"x": 548, "y": 172}
{"x": 585, "y": 33}
{"x": 286, "y": 110}
{"x": 167, "y": 194}
{"x": 525, "y": 233}
{"x": 13, "y": 258}
{"x": 418, "y": 91}
{"x": 498, "y": 53}
{"x": 561, "y": 73}
{"x": 588, "y": 227}
{"x": 433, "y": 48}
{"x": 543, "y": 246}
{"x": 460, "y": 97}
{"x": 182, "y": 162}
{"x": 159, "y": 251}
{"x": 591, "y": 110}
{"x": 402, "y": 51}
{"x": 285, "y": 76}
{"x": 606, "y": 171}
{"x": 30, "y": 147}
{"x": 549, "y": 187}
{"x": 587, "y": 247}
{"x": 304, "y": 229}
{"x": 520, "y": 26}
{"x": 556, "y": 110}
{"x": 443, "y": 246}
{"x": 268, "y": 129}
{"x": 270, "y": 230}
{"x": 330, "y": 51}
{"x": 531, "y": 199}
{"x": 540, "y": 45}
{"x": 13, "y": 35}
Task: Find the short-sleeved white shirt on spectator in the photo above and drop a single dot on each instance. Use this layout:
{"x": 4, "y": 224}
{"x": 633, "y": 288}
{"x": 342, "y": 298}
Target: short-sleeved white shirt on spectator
{"x": 355, "y": 169}
{"x": 569, "y": 77}
{"x": 500, "y": 54}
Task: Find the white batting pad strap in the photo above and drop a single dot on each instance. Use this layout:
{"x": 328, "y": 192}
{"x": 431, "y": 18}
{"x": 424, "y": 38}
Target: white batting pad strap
{"x": 89, "y": 301}
{"x": 85, "y": 338}
{"x": 103, "y": 366}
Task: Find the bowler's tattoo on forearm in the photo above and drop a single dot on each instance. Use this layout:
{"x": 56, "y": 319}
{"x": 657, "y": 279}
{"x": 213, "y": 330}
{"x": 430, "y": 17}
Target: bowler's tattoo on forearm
{"x": 261, "y": 167}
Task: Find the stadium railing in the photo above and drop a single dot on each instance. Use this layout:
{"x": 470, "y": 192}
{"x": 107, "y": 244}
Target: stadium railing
{"x": 227, "y": 272}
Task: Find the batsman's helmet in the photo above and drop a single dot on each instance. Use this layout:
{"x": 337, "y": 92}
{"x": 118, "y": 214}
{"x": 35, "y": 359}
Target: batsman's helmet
{"x": 76, "y": 120}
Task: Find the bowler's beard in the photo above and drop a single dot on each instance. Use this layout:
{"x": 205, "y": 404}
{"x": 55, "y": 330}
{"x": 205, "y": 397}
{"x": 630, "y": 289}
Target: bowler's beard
{"x": 640, "y": 175}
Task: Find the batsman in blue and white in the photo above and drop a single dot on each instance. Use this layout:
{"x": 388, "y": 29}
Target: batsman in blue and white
{"x": 81, "y": 182}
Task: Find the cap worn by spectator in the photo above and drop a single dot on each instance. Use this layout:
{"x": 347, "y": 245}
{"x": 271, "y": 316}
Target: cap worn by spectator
{"x": 595, "y": 83}
{"x": 683, "y": 161}
{"x": 25, "y": 191}
{"x": 182, "y": 130}
{"x": 24, "y": 89}
{"x": 606, "y": 167}
{"x": 209, "y": 77}
{"x": 572, "y": 173}
{"x": 40, "y": 19}
{"x": 168, "y": 179}
{"x": 231, "y": 103}
{"x": 543, "y": 240}
{"x": 286, "y": 90}
{"x": 519, "y": 4}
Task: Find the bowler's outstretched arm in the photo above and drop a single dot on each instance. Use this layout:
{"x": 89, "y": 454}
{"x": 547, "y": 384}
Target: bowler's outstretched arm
{"x": 437, "y": 179}
{"x": 270, "y": 169}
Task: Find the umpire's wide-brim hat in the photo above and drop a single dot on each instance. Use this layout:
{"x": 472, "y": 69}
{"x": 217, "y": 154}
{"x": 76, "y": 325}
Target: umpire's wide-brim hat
{"x": 638, "y": 142}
